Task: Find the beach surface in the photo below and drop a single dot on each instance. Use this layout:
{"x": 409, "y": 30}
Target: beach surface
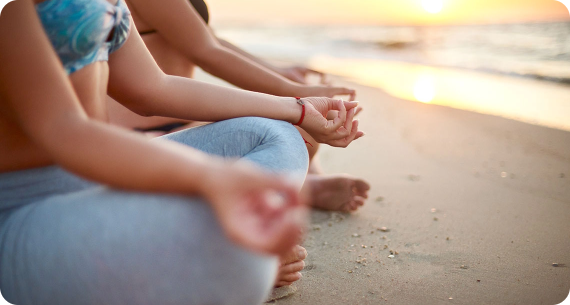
{"x": 475, "y": 209}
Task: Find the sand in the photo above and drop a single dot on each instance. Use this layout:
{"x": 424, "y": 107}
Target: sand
{"x": 477, "y": 207}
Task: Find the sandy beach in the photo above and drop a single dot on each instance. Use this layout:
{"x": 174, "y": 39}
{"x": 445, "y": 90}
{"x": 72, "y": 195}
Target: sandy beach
{"x": 475, "y": 209}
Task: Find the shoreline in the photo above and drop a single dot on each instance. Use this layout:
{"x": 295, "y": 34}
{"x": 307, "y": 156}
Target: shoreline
{"x": 532, "y": 101}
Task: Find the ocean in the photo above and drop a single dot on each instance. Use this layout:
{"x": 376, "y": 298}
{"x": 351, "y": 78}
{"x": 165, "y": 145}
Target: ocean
{"x": 532, "y": 50}
{"x": 517, "y": 71}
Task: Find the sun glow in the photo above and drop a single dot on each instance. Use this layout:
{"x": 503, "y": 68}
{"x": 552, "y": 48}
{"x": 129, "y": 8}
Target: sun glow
{"x": 432, "y": 6}
{"x": 424, "y": 88}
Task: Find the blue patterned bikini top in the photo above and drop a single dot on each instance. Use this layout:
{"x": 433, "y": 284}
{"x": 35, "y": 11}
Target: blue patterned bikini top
{"x": 84, "y": 31}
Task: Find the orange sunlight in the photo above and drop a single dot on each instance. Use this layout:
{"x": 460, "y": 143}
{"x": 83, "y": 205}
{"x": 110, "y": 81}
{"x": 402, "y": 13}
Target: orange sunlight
{"x": 401, "y": 12}
{"x": 525, "y": 100}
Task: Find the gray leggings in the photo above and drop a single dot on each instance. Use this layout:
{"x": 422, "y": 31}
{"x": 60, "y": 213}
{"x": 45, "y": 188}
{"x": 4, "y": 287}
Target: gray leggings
{"x": 67, "y": 241}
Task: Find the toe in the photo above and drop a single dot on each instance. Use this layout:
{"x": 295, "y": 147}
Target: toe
{"x": 361, "y": 188}
{"x": 296, "y": 254}
{"x": 292, "y": 268}
{"x": 356, "y": 203}
{"x": 283, "y": 283}
{"x": 291, "y": 277}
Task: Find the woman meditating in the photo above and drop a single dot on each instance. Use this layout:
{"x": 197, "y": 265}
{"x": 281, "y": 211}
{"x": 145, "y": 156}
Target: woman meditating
{"x": 178, "y": 37}
{"x": 94, "y": 214}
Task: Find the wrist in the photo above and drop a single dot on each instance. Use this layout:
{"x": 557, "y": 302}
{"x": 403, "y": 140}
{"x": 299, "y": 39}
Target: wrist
{"x": 209, "y": 176}
{"x": 292, "y": 110}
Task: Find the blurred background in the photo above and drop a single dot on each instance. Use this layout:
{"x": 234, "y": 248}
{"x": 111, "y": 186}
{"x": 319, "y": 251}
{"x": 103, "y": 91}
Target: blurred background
{"x": 509, "y": 58}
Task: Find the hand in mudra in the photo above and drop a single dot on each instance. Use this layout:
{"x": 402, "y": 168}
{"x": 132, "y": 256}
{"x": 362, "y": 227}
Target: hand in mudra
{"x": 340, "y": 131}
{"x": 299, "y": 74}
{"x": 257, "y": 210}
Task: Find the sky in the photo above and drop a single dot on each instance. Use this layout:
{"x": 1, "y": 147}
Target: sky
{"x": 386, "y": 12}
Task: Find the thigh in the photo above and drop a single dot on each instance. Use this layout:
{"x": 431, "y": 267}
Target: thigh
{"x": 100, "y": 246}
{"x": 275, "y": 145}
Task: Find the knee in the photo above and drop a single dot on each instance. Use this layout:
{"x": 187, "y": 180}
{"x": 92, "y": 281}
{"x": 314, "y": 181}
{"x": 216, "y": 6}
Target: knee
{"x": 278, "y": 133}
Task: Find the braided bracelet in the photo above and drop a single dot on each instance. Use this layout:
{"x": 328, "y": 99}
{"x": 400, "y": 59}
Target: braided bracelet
{"x": 300, "y": 102}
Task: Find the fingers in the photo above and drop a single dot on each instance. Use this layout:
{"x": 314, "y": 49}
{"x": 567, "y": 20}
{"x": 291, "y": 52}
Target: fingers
{"x": 343, "y": 91}
{"x": 344, "y": 142}
{"x": 349, "y": 118}
{"x": 350, "y": 104}
{"x": 358, "y": 110}
{"x": 339, "y": 120}
{"x": 278, "y": 234}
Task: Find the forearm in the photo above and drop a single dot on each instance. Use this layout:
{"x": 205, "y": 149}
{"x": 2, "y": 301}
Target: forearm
{"x": 245, "y": 54}
{"x": 193, "y": 100}
{"x": 127, "y": 161}
{"x": 245, "y": 73}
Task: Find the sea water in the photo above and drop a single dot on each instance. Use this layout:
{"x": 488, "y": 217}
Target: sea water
{"x": 534, "y": 50}
{"x": 518, "y": 71}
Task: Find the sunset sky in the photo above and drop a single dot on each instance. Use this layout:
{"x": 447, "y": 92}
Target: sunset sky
{"x": 386, "y": 11}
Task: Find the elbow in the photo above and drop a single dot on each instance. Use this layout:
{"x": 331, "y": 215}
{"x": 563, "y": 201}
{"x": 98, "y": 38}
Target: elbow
{"x": 141, "y": 100}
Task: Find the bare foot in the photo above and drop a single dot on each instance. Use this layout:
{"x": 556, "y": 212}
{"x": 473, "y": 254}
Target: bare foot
{"x": 342, "y": 193}
{"x": 290, "y": 266}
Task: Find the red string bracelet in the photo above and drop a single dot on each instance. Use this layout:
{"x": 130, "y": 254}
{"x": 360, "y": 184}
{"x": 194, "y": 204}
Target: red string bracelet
{"x": 300, "y": 102}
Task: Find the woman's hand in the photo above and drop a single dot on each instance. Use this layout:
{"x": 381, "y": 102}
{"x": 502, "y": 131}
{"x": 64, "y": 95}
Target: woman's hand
{"x": 299, "y": 74}
{"x": 322, "y": 90}
{"x": 258, "y": 210}
{"x": 340, "y": 131}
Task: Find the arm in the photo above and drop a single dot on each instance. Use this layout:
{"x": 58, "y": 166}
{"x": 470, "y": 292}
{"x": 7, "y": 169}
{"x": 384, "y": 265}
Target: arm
{"x": 136, "y": 81}
{"x": 297, "y": 74}
{"x": 181, "y": 26}
{"x": 51, "y": 115}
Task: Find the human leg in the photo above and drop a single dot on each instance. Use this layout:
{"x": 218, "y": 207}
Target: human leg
{"x": 343, "y": 193}
{"x": 274, "y": 145}
{"x": 100, "y": 246}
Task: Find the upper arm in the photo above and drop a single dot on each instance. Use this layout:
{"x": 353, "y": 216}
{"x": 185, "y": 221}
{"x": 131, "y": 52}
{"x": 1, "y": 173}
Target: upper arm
{"x": 179, "y": 24}
{"x": 33, "y": 81}
{"x": 134, "y": 76}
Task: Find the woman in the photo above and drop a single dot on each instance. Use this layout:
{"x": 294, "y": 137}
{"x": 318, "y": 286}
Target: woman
{"x": 92, "y": 214}
{"x": 176, "y": 33}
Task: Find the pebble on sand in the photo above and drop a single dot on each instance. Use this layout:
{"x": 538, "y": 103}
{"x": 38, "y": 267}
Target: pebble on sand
{"x": 355, "y": 235}
{"x": 383, "y": 229}
{"x": 414, "y": 177}
{"x": 391, "y": 256}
